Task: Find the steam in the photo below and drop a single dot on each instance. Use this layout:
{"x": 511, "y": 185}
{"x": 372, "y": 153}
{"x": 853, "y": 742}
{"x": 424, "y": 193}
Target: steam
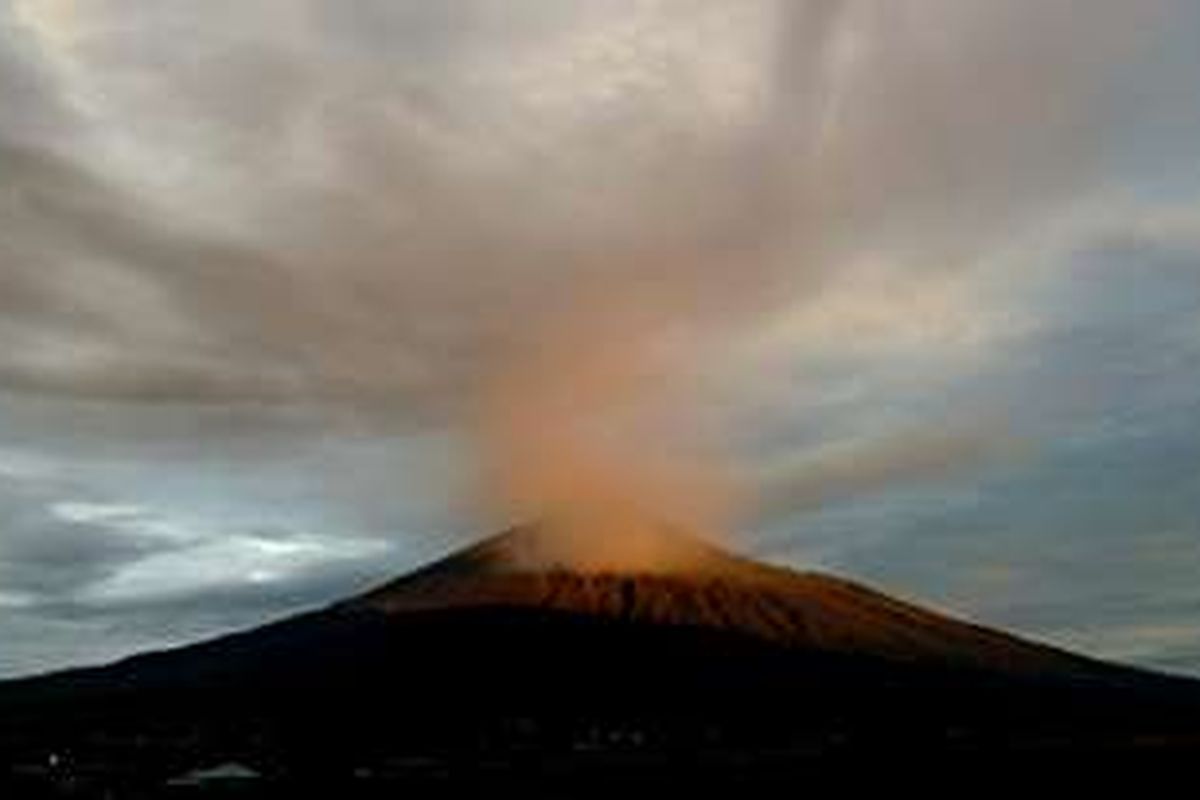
{"x": 586, "y": 431}
{"x": 544, "y": 226}
{"x": 869, "y": 136}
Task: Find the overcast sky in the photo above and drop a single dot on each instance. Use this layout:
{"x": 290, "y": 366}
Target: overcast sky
{"x": 921, "y": 279}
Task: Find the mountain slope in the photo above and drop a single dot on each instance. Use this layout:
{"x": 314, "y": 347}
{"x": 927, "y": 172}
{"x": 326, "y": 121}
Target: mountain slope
{"x": 703, "y": 586}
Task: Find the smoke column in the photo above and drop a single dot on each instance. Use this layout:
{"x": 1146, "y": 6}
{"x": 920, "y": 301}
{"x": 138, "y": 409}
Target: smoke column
{"x": 546, "y": 225}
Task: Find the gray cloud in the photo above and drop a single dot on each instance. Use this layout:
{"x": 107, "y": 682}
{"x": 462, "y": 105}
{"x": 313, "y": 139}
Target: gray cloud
{"x": 248, "y": 247}
{"x": 50, "y": 557}
{"x": 1089, "y": 538}
{"x": 377, "y": 212}
{"x": 337, "y": 220}
{"x": 827, "y": 475}
{"x": 84, "y": 579}
{"x": 54, "y": 633}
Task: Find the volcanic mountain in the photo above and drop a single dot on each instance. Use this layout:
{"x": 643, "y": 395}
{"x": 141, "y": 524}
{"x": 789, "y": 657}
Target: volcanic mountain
{"x": 682, "y": 582}
{"x": 520, "y": 655}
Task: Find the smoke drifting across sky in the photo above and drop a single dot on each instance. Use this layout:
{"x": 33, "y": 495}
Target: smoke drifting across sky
{"x": 314, "y": 242}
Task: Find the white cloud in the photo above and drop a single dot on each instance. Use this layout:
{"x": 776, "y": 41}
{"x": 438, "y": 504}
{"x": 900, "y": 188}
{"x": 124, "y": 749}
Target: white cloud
{"x": 104, "y": 513}
{"x": 14, "y": 600}
{"x": 226, "y": 559}
{"x": 881, "y": 312}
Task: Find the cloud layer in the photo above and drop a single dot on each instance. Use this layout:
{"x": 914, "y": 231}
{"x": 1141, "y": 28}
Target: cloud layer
{"x": 283, "y": 266}
{"x": 368, "y": 205}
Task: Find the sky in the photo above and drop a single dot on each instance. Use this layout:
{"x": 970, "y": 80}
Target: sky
{"x": 295, "y": 296}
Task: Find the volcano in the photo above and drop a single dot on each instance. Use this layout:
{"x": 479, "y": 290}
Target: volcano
{"x": 681, "y": 582}
{"x": 522, "y": 662}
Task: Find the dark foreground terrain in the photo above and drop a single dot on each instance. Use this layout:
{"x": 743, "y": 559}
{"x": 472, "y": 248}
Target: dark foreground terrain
{"x": 496, "y": 672}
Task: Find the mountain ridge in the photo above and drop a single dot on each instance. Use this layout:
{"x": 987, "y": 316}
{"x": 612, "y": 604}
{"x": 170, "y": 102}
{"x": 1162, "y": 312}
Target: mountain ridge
{"x": 711, "y": 587}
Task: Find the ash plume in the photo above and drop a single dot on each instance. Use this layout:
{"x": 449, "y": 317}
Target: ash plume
{"x": 541, "y": 225}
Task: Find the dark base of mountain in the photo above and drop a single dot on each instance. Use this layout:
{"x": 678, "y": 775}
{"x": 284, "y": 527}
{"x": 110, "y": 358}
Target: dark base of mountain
{"x": 552, "y": 703}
